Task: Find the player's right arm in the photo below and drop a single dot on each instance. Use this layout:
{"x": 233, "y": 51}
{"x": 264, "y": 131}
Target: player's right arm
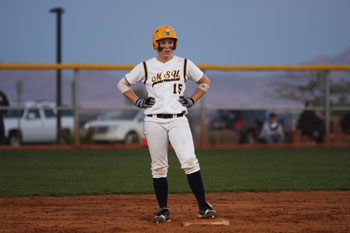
{"x": 124, "y": 88}
{"x": 137, "y": 74}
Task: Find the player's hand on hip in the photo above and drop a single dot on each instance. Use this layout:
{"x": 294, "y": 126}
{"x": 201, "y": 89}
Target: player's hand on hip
{"x": 145, "y": 103}
{"x": 186, "y": 101}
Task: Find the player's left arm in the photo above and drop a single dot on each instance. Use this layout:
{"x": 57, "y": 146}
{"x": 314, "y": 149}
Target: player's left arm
{"x": 203, "y": 86}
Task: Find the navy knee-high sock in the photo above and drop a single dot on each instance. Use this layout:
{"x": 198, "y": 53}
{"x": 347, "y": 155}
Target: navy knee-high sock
{"x": 196, "y": 184}
{"x": 160, "y": 186}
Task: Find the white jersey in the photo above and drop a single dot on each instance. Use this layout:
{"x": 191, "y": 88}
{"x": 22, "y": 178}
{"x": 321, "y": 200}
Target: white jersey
{"x": 165, "y": 82}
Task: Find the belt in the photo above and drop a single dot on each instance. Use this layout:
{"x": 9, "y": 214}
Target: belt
{"x": 166, "y": 116}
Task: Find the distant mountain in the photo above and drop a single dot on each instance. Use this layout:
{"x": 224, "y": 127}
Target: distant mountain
{"x": 98, "y": 88}
{"x": 249, "y": 89}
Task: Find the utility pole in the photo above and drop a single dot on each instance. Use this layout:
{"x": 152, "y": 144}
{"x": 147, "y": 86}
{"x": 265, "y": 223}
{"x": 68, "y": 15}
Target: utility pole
{"x": 58, "y": 11}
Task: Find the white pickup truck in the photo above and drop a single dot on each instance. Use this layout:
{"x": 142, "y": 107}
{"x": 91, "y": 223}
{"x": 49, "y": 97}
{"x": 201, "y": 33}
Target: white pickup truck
{"x": 36, "y": 123}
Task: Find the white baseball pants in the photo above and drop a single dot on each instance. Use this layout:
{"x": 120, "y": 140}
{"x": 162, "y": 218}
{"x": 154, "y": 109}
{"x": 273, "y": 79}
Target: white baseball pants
{"x": 158, "y": 133}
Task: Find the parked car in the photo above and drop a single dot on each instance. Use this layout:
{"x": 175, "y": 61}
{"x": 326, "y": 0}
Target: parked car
{"x": 247, "y": 123}
{"x": 36, "y": 123}
{"x": 117, "y": 126}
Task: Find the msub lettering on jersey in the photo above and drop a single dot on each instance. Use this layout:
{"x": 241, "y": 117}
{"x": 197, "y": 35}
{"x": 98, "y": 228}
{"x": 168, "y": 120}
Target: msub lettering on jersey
{"x": 169, "y": 76}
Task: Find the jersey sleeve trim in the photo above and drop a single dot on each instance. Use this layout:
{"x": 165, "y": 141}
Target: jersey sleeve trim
{"x": 146, "y": 72}
{"x": 185, "y": 69}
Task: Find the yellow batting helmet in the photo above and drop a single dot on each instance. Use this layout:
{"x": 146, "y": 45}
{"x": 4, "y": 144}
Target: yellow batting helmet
{"x": 163, "y": 32}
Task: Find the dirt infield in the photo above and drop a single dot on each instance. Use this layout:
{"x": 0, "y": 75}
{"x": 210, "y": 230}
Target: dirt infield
{"x": 245, "y": 212}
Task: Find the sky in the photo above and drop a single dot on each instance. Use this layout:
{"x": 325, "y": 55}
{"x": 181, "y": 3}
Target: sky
{"x": 232, "y": 32}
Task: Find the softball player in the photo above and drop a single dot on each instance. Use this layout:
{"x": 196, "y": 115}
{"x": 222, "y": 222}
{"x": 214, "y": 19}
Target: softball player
{"x": 165, "y": 78}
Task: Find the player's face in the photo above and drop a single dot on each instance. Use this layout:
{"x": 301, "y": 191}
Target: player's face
{"x": 166, "y": 47}
{"x": 166, "y": 44}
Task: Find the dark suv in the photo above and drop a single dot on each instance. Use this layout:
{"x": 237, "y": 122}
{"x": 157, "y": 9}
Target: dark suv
{"x": 247, "y": 123}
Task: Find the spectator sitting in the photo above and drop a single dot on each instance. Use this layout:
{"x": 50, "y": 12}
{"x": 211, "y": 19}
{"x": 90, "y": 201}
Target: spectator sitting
{"x": 345, "y": 123}
{"x": 271, "y": 131}
{"x": 312, "y": 123}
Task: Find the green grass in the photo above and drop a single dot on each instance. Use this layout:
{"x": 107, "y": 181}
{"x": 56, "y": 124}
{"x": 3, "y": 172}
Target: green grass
{"x": 87, "y": 172}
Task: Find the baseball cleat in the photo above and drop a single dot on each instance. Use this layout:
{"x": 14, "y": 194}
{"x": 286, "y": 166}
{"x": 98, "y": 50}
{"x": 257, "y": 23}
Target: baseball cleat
{"x": 162, "y": 215}
{"x": 206, "y": 211}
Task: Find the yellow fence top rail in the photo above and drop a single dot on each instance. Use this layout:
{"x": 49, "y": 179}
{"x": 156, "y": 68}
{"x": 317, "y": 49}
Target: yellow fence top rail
{"x": 274, "y": 67}
{"x": 65, "y": 66}
{"x": 202, "y": 66}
